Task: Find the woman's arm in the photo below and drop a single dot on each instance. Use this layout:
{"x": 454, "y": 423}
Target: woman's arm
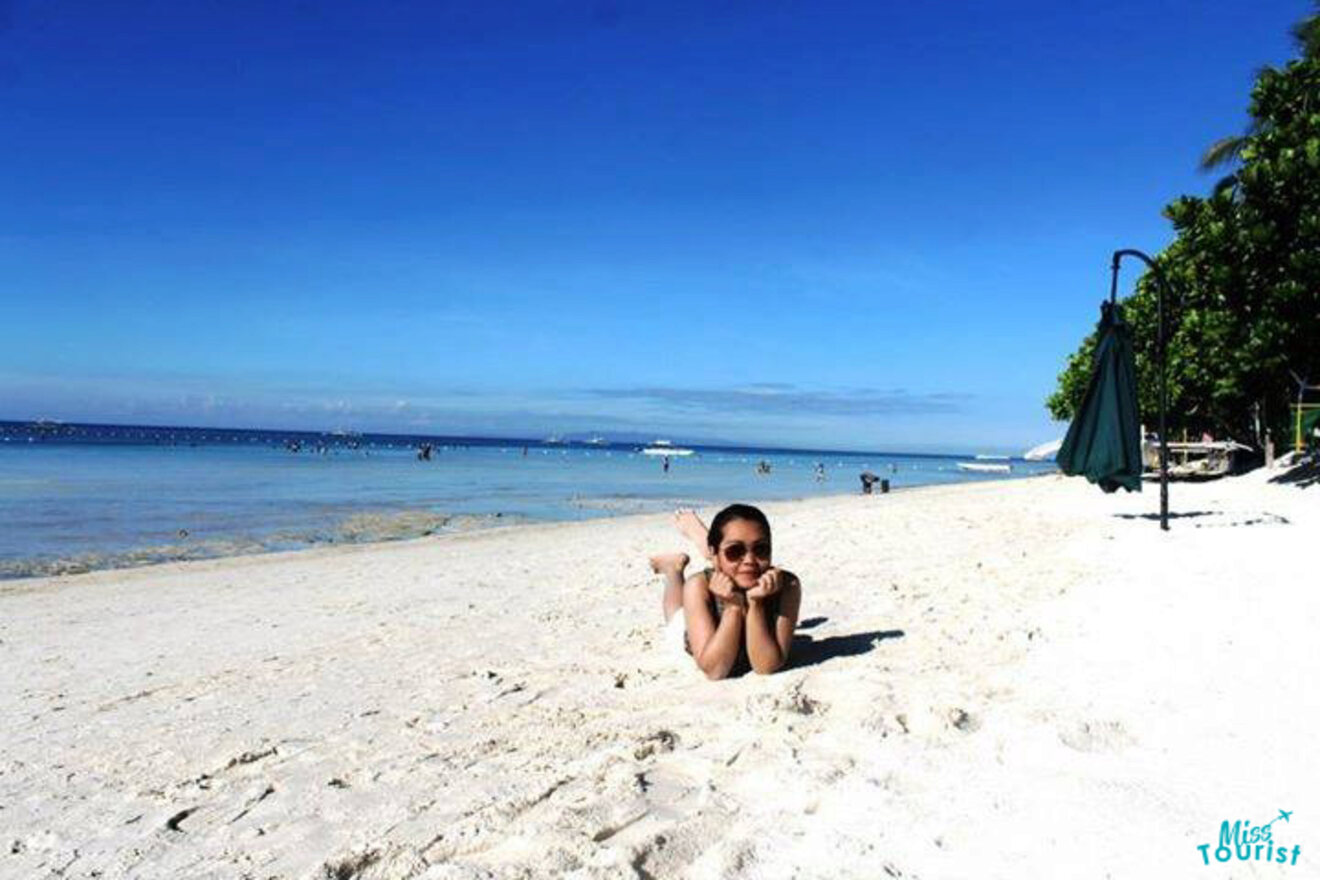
{"x": 714, "y": 643}
{"x": 770, "y": 638}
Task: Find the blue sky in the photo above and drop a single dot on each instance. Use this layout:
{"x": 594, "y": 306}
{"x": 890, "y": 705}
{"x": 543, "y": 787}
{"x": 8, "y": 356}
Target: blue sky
{"x": 850, "y": 225}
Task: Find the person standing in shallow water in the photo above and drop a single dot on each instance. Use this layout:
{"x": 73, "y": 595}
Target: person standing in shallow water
{"x": 738, "y": 614}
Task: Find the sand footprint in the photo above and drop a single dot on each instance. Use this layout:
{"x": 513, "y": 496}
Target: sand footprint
{"x": 963, "y": 721}
{"x": 793, "y": 701}
{"x": 677, "y": 850}
{"x": 1096, "y": 736}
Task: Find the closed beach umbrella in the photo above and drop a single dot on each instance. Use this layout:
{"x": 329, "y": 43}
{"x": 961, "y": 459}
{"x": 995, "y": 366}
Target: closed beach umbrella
{"x": 1103, "y": 442}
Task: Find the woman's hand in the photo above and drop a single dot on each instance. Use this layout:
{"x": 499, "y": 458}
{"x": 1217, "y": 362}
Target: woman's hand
{"x": 722, "y": 587}
{"x": 766, "y": 585}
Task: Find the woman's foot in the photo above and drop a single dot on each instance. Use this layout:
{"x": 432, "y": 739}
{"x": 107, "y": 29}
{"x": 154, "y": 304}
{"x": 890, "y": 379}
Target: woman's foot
{"x": 669, "y": 563}
{"x": 671, "y": 566}
{"x": 692, "y": 528}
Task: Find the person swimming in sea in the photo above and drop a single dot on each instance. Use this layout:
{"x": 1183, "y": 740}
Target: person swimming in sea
{"x": 739, "y": 613}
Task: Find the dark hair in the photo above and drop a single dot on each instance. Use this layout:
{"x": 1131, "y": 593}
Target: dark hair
{"x": 730, "y": 513}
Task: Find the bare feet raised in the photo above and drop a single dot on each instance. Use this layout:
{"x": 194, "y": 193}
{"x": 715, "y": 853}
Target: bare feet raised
{"x": 671, "y": 566}
{"x": 687, "y": 522}
{"x": 669, "y": 563}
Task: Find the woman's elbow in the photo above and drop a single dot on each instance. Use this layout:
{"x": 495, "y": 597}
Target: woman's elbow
{"x": 713, "y": 669}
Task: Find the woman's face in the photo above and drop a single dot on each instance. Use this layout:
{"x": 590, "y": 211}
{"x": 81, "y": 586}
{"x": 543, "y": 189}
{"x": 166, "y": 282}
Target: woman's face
{"x": 743, "y": 553}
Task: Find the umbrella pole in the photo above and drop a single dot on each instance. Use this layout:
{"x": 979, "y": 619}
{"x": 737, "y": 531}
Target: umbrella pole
{"x": 1163, "y": 358}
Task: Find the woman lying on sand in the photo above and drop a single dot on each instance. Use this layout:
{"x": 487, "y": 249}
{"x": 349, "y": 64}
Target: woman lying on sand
{"x": 740, "y": 614}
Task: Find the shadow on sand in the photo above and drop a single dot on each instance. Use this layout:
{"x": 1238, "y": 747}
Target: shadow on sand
{"x": 1231, "y": 521}
{"x": 1305, "y": 474}
{"x": 1154, "y": 516}
{"x": 807, "y": 651}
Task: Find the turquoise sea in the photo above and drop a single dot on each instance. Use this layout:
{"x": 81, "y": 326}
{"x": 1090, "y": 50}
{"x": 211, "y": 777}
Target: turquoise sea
{"x": 81, "y": 497}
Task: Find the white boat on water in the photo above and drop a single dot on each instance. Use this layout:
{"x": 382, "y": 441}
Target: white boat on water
{"x": 665, "y": 448}
{"x": 983, "y": 467}
{"x": 992, "y": 458}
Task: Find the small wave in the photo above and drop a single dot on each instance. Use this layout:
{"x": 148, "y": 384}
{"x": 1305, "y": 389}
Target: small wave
{"x": 620, "y": 504}
{"x": 359, "y": 528}
{"x": 628, "y": 504}
{"x": 44, "y": 566}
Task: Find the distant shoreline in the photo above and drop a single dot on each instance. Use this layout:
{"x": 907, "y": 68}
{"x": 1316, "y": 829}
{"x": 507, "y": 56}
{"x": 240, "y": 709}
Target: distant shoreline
{"x": 78, "y": 433}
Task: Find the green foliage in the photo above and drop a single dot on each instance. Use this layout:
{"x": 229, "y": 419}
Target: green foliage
{"x": 1065, "y": 400}
{"x": 1243, "y": 305}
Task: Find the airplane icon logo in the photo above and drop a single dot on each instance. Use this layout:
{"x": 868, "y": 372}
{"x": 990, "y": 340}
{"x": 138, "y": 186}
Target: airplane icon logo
{"x": 1285, "y": 815}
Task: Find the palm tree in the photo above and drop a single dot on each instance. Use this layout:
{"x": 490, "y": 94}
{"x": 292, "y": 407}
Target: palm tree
{"x": 1227, "y": 150}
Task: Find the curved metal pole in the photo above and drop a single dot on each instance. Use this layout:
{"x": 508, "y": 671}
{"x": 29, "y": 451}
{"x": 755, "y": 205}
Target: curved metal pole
{"x": 1163, "y": 358}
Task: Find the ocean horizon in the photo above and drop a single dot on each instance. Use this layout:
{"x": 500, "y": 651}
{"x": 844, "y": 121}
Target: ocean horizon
{"x": 79, "y": 497}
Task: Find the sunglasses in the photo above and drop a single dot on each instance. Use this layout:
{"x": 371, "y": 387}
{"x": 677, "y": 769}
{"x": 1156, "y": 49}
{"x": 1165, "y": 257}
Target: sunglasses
{"x": 737, "y": 550}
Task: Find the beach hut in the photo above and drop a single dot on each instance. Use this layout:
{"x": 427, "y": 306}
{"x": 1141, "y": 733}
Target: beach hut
{"x": 1306, "y": 416}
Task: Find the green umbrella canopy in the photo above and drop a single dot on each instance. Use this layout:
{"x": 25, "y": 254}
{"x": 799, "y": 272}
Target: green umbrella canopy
{"x": 1103, "y": 442}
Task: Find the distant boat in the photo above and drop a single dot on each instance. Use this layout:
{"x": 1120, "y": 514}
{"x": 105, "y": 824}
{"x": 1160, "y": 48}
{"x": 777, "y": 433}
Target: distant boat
{"x": 664, "y": 447}
{"x": 597, "y": 440}
{"x": 553, "y": 440}
{"x": 984, "y": 467}
{"x": 992, "y": 458}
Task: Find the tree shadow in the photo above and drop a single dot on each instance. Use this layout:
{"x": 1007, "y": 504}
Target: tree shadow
{"x": 1305, "y": 474}
{"x": 807, "y": 651}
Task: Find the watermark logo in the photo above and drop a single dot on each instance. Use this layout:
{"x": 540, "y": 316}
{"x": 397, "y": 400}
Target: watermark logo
{"x": 1244, "y": 842}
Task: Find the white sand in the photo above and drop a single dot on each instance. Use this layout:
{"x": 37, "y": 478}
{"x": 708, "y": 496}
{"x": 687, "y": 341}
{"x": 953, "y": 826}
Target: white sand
{"x": 1007, "y": 680}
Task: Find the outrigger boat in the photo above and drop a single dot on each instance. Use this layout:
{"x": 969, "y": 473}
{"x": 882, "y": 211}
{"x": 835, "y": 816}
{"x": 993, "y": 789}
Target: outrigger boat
{"x": 1193, "y": 461}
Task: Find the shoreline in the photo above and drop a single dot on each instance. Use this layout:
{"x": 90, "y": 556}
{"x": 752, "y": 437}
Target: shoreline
{"x": 436, "y": 525}
{"x": 76, "y": 508}
{"x": 986, "y": 675}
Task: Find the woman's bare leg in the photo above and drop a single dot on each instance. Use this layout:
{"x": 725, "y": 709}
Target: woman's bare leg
{"x": 687, "y": 522}
{"x": 671, "y": 566}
